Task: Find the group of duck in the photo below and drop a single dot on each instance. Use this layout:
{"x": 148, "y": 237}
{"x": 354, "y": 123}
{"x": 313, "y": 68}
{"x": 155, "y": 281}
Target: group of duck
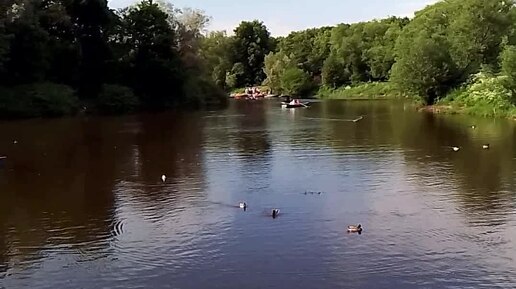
{"x": 275, "y": 213}
{"x": 484, "y": 146}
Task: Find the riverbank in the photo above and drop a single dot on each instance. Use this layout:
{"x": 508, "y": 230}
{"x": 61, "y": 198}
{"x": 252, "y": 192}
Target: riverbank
{"x": 486, "y": 96}
{"x": 372, "y": 90}
{"x": 45, "y": 100}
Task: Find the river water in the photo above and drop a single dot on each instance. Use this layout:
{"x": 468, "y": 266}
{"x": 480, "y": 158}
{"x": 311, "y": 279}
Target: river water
{"x": 82, "y": 204}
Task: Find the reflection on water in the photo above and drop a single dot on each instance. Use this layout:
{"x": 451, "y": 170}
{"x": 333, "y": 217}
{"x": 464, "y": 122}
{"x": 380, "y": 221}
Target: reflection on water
{"x": 82, "y": 204}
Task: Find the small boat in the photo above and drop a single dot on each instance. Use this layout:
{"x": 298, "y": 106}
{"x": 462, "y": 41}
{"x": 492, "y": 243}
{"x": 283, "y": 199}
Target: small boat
{"x": 294, "y": 105}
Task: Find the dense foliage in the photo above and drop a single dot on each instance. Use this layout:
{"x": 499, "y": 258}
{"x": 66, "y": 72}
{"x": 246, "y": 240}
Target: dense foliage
{"x": 161, "y": 57}
{"x": 338, "y": 56}
{"x": 439, "y": 51}
{"x": 238, "y": 61}
{"x": 147, "y": 53}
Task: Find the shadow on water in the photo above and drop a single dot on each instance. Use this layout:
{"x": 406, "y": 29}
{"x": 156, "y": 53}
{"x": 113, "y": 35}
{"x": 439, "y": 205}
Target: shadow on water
{"x": 57, "y": 190}
{"x": 253, "y": 139}
{"x": 60, "y": 186}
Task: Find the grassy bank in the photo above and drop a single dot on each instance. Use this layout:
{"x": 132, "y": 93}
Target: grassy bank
{"x": 372, "y": 90}
{"x": 485, "y": 95}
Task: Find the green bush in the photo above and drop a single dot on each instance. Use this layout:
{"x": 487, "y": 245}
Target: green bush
{"x": 38, "y": 99}
{"x": 117, "y": 99}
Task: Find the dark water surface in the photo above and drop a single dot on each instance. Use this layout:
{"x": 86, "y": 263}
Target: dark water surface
{"x": 82, "y": 204}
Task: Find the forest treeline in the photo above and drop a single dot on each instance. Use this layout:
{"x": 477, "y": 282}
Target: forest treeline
{"x": 57, "y": 56}
{"x": 60, "y": 57}
{"x": 455, "y": 51}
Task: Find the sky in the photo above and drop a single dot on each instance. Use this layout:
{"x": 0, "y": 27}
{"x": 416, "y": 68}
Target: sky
{"x": 284, "y": 16}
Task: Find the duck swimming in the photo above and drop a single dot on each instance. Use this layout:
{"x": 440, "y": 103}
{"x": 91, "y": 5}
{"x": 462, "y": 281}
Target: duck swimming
{"x": 355, "y": 229}
{"x": 275, "y": 213}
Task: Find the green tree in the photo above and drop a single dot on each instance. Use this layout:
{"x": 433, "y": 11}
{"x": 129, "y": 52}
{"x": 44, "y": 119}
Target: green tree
{"x": 156, "y": 75}
{"x": 308, "y": 49}
{"x": 216, "y": 51}
{"x": 275, "y": 66}
{"x": 252, "y": 43}
{"x": 236, "y": 76}
{"x": 379, "y": 54}
{"x": 334, "y": 72}
{"x": 463, "y": 34}
{"x": 5, "y": 7}
{"x": 91, "y": 19}
{"x": 295, "y": 81}
{"x": 508, "y": 63}
{"x": 28, "y": 59}
{"x": 63, "y": 48}
{"x": 426, "y": 68}
{"x": 475, "y": 31}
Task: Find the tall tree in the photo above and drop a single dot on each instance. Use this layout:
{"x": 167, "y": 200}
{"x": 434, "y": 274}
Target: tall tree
{"x": 308, "y": 48}
{"x": 252, "y": 43}
{"x": 449, "y": 41}
{"x": 91, "y": 19}
{"x": 216, "y": 51}
{"x": 28, "y": 59}
{"x": 156, "y": 73}
{"x": 63, "y": 47}
{"x": 5, "y": 7}
{"x": 334, "y": 72}
{"x": 275, "y": 66}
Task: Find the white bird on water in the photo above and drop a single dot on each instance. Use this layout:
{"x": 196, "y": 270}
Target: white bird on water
{"x": 163, "y": 178}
